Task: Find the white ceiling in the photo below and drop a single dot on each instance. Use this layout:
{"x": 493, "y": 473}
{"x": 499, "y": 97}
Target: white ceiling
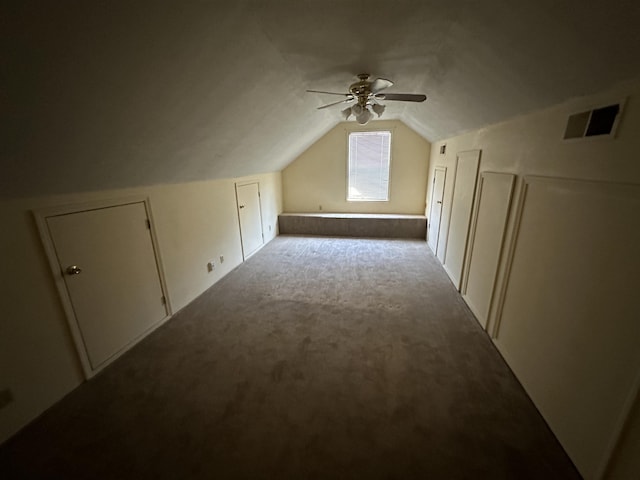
{"x": 97, "y": 96}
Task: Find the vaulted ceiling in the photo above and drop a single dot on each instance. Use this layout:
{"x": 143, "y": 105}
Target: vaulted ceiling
{"x": 98, "y": 95}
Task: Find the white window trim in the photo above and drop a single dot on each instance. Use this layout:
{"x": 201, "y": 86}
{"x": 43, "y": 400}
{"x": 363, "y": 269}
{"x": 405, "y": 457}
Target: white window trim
{"x": 348, "y": 131}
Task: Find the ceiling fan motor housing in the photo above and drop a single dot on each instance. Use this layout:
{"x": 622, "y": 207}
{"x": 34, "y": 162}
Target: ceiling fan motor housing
{"x": 362, "y": 89}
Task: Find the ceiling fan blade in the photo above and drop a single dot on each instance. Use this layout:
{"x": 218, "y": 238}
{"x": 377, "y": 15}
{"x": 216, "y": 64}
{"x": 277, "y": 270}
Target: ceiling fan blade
{"x": 331, "y": 93}
{"x": 403, "y": 97}
{"x": 380, "y": 84}
{"x": 336, "y": 103}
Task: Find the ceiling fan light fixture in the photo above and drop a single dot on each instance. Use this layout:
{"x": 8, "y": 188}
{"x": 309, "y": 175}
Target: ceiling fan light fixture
{"x": 378, "y": 109}
{"x": 357, "y": 110}
{"x": 364, "y": 117}
{"x": 346, "y": 113}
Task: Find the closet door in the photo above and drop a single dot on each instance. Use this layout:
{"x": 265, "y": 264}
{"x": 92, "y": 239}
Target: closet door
{"x": 107, "y": 262}
{"x": 435, "y": 209}
{"x": 250, "y": 216}
{"x": 464, "y": 188}
{"x": 487, "y": 237}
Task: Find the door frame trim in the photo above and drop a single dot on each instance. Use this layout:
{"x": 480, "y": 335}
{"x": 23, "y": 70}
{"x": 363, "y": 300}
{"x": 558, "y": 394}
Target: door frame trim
{"x": 40, "y": 216}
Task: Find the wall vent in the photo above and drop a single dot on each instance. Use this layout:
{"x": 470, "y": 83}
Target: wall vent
{"x": 599, "y": 122}
{"x": 443, "y": 149}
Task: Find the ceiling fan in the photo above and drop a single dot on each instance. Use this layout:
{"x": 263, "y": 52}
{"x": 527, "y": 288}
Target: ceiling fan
{"x": 366, "y": 94}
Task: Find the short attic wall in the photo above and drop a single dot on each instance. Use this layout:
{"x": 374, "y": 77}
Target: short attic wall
{"x": 195, "y": 223}
{"x": 353, "y": 225}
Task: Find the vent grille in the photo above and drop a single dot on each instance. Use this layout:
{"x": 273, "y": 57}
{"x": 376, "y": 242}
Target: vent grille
{"x": 601, "y": 121}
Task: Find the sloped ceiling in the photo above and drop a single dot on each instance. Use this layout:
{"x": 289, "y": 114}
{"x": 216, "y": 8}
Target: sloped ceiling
{"x": 98, "y": 95}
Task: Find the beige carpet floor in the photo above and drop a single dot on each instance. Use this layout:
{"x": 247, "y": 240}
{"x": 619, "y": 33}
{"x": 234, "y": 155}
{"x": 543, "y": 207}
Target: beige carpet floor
{"x": 318, "y": 358}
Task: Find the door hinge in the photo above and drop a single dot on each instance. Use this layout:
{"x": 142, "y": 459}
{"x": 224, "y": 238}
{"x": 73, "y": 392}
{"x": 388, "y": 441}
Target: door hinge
{"x": 258, "y": 194}
{"x": 163, "y": 299}
{"x": 148, "y": 223}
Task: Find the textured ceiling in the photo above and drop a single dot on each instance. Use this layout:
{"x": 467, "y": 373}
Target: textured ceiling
{"x": 97, "y": 95}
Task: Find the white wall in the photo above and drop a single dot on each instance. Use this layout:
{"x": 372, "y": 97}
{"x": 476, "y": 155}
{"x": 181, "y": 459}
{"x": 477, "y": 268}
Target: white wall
{"x": 318, "y": 176}
{"x": 195, "y": 223}
{"x": 573, "y": 349}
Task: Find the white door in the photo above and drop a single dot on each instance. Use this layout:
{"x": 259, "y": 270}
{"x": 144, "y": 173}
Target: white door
{"x": 485, "y": 245}
{"x": 435, "y": 209}
{"x": 464, "y": 188}
{"x": 109, "y": 268}
{"x": 250, "y": 216}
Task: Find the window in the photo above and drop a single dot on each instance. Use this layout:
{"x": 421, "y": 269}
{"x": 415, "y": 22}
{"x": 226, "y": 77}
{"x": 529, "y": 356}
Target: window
{"x": 369, "y": 160}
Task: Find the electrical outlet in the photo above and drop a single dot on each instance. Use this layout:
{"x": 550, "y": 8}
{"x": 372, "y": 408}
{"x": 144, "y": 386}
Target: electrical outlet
{"x": 5, "y": 398}
{"x": 269, "y": 227}
{"x": 221, "y": 258}
{"x": 211, "y": 266}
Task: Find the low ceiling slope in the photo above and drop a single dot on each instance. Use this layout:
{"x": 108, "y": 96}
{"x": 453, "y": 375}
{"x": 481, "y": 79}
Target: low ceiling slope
{"x": 117, "y": 94}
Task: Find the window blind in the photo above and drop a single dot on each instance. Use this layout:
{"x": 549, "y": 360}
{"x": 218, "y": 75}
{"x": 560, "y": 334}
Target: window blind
{"x": 369, "y": 161}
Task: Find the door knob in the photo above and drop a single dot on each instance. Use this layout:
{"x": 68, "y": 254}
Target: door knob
{"x": 73, "y": 270}
{"x": 438, "y": 201}
{"x": 241, "y": 206}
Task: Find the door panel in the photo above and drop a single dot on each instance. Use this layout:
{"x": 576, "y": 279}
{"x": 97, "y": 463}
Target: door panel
{"x": 250, "y": 218}
{"x": 117, "y": 295}
{"x": 487, "y": 235}
{"x": 459, "y": 221}
{"x": 435, "y": 208}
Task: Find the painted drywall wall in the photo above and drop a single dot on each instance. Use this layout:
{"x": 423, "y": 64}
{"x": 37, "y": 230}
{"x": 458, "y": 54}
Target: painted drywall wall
{"x": 317, "y": 178}
{"x": 532, "y": 145}
{"x": 195, "y": 223}
{"x": 626, "y": 461}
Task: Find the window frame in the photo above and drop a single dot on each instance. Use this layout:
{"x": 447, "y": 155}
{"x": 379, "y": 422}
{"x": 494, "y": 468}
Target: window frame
{"x": 349, "y": 132}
